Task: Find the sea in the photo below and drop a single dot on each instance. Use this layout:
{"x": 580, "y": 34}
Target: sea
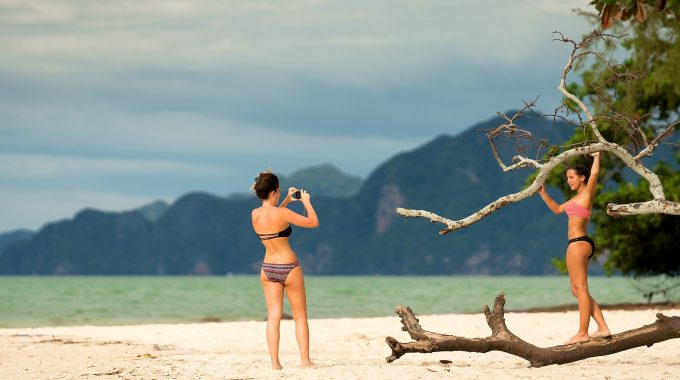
{"x": 32, "y": 301}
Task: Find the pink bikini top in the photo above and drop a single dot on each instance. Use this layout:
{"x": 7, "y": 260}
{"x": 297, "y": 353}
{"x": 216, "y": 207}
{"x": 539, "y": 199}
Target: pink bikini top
{"x": 574, "y": 209}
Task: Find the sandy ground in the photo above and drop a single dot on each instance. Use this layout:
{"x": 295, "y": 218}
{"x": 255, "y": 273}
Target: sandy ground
{"x": 341, "y": 348}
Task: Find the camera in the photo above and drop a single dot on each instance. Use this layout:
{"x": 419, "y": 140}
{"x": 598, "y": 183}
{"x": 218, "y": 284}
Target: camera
{"x": 297, "y": 195}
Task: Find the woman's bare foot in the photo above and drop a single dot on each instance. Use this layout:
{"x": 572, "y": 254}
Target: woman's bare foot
{"x": 578, "y": 338}
{"x": 307, "y": 364}
{"x": 601, "y": 333}
{"x": 277, "y": 366}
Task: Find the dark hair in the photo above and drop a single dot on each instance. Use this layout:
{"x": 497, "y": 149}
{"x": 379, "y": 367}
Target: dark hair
{"x": 581, "y": 170}
{"x": 265, "y": 183}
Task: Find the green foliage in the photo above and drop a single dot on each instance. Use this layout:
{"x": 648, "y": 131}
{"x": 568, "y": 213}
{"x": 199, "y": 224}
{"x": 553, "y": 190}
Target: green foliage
{"x": 644, "y": 244}
{"x": 559, "y": 264}
{"x": 625, "y": 10}
{"x": 636, "y": 245}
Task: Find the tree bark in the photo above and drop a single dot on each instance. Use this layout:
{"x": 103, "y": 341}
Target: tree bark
{"x": 502, "y": 339}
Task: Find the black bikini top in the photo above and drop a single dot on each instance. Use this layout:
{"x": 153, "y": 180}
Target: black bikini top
{"x": 284, "y": 233}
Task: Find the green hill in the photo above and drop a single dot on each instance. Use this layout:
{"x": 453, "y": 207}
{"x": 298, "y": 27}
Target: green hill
{"x": 359, "y": 234}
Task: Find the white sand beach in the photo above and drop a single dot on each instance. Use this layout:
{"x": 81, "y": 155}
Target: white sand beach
{"x": 341, "y": 348}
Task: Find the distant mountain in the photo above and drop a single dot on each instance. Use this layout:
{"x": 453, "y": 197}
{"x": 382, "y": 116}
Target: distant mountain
{"x": 322, "y": 180}
{"x": 154, "y": 210}
{"x": 453, "y": 176}
{"x": 325, "y": 180}
{"x": 359, "y": 234}
{"x": 12, "y": 236}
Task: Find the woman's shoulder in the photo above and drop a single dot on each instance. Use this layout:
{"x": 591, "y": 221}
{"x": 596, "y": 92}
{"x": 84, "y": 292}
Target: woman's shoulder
{"x": 267, "y": 211}
{"x": 258, "y": 212}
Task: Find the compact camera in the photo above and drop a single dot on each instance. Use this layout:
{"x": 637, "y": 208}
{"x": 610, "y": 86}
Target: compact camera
{"x": 297, "y": 195}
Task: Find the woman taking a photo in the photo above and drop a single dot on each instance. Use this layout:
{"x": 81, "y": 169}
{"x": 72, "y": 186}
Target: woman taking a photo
{"x": 280, "y": 269}
{"x": 580, "y": 247}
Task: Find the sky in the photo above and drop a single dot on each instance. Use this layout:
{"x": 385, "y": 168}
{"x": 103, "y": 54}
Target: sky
{"x": 115, "y": 104}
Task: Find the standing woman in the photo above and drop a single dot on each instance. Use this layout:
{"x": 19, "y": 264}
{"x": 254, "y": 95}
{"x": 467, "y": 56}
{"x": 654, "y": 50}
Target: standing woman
{"x": 580, "y": 247}
{"x": 281, "y": 269}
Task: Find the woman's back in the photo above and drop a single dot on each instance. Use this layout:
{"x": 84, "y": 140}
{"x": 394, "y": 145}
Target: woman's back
{"x": 273, "y": 229}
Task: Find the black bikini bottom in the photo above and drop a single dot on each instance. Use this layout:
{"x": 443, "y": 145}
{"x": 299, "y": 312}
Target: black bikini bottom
{"x": 585, "y": 238}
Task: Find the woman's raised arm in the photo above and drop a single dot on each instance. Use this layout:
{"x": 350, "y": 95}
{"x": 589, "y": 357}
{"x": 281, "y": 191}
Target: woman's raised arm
{"x": 288, "y": 198}
{"x": 309, "y": 221}
{"x": 594, "y": 171}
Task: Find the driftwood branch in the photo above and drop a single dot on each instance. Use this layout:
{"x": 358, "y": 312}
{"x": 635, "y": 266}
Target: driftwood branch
{"x": 502, "y": 339}
{"x": 658, "y": 203}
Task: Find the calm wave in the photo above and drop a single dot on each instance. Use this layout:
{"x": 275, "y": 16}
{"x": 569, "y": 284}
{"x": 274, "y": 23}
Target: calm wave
{"x": 54, "y": 301}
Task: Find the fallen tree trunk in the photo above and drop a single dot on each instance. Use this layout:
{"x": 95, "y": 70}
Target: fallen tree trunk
{"x": 502, "y": 339}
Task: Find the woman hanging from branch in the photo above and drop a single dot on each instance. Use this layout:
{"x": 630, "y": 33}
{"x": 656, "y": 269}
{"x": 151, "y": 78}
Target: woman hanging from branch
{"x": 281, "y": 269}
{"x": 580, "y": 248}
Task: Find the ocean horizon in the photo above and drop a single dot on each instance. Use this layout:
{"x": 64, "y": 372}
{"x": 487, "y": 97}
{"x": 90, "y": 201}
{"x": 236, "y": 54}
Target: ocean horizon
{"x": 32, "y": 301}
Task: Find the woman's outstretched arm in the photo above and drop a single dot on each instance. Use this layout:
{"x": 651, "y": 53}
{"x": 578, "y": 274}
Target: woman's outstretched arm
{"x": 552, "y": 205}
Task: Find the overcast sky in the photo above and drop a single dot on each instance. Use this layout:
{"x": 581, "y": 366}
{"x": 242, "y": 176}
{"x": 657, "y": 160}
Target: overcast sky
{"x": 113, "y": 104}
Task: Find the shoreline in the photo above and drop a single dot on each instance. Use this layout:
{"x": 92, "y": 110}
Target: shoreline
{"x": 630, "y": 306}
{"x": 624, "y": 306}
{"x": 341, "y": 348}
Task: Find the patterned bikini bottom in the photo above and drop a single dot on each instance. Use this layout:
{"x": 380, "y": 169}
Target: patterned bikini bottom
{"x": 278, "y": 272}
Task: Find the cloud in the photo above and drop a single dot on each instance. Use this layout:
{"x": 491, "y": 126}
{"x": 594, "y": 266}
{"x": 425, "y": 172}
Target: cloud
{"x": 183, "y": 135}
{"x": 354, "y": 43}
{"x": 135, "y": 98}
{"x": 21, "y": 166}
{"x": 318, "y": 67}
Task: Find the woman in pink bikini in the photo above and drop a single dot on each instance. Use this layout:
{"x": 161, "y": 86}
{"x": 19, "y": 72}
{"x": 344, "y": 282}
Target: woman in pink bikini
{"x": 580, "y": 247}
{"x": 281, "y": 269}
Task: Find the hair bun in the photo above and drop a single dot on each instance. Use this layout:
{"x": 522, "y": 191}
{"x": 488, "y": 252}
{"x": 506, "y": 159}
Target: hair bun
{"x": 265, "y": 183}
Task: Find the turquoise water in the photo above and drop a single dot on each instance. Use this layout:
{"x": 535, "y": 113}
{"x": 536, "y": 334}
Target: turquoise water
{"x": 56, "y": 301}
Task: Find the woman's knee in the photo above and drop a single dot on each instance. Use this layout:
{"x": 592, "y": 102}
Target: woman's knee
{"x": 573, "y": 291}
{"x": 577, "y": 289}
{"x": 299, "y": 313}
{"x": 274, "y": 315}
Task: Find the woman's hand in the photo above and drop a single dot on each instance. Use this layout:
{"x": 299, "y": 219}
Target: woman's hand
{"x": 304, "y": 196}
{"x": 595, "y": 154}
{"x": 291, "y": 190}
{"x": 288, "y": 198}
{"x": 552, "y": 205}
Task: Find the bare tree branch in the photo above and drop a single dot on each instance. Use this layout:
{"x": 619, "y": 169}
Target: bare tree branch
{"x": 502, "y": 339}
{"x": 510, "y": 128}
{"x": 657, "y": 140}
{"x": 659, "y": 205}
{"x": 576, "y": 54}
{"x": 656, "y": 206}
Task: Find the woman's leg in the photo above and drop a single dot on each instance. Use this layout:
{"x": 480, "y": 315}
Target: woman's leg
{"x": 295, "y": 290}
{"x": 577, "y": 266}
{"x": 596, "y": 313}
{"x": 273, "y": 295}
{"x": 602, "y": 328}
